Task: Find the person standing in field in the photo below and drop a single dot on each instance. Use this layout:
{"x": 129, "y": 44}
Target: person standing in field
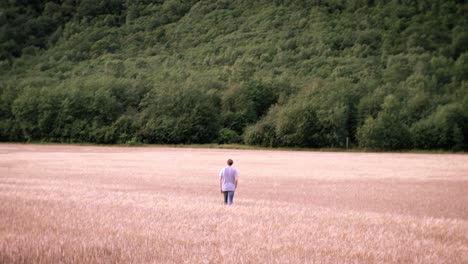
{"x": 228, "y": 182}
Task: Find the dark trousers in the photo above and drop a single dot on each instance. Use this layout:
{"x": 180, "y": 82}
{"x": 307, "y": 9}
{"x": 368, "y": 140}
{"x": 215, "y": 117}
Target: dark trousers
{"x": 228, "y": 197}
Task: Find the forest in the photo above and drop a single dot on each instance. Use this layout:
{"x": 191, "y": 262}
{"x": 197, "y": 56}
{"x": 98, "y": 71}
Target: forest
{"x": 381, "y": 74}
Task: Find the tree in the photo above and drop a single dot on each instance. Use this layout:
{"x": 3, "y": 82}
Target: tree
{"x": 237, "y": 109}
{"x": 443, "y": 129}
{"x": 387, "y": 131}
{"x": 262, "y": 96}
{"x": 179, "y": 115}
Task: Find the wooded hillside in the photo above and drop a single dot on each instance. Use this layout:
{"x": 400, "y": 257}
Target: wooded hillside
{"x": 386, "y": 74}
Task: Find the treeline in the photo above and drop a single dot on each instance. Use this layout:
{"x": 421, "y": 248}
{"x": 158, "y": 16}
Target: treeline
{"x": 382, "y": 74}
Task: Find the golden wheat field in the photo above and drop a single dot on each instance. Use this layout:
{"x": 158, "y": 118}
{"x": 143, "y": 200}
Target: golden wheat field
{"x": 89, "y": 204}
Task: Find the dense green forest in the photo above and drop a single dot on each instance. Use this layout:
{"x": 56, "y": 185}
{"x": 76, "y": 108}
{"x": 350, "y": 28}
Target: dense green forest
{"x": 386, "y": 74}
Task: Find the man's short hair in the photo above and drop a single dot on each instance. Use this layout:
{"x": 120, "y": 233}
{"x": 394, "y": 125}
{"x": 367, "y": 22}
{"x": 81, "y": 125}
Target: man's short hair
{"x": 230, "y": 162}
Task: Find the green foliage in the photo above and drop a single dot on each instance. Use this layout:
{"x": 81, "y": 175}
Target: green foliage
{"x": 461, "y": 67}
{"x": 387, "y": 131}
{"x": 443, "y": 129}
{"x": 237, "y": 109}
{"x": 228, "y": 136}
{"x": 310, "y": 119}
{"x": 384, "y": 74}
{"x": 263, "y": 132}
{"x": 262, "y": 96}
{"x": 179, "y": 115}
{"x": 29, "y": 24}
{"x": 90, "y": 8}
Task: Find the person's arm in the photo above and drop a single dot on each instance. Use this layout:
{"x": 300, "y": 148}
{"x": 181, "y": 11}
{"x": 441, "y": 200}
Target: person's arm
{"x": 221, "y": 181}
{"x": 236, "y": 182}
{"x": 220, "y": 184}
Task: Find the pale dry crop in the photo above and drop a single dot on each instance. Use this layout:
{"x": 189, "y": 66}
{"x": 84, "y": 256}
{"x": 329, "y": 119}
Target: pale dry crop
{"x": 80, "y": 204}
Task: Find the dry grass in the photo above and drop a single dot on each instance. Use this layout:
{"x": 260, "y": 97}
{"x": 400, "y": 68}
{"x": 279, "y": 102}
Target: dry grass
{"x": 62, "y": 204}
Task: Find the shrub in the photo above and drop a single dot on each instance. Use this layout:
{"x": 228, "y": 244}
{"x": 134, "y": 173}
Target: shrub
{"x": 228, "y": 136}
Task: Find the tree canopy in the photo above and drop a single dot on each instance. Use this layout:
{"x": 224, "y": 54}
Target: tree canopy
{"x": 385, "y": 74}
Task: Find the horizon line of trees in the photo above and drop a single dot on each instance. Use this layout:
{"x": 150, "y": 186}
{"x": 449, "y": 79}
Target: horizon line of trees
{"x": 113, "y": 110}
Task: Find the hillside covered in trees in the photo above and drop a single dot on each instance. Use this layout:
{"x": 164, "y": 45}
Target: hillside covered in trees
{"x": 386, "y": 74}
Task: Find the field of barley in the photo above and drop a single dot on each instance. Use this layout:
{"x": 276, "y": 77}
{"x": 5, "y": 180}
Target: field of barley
{"x": 90, "y": 204}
